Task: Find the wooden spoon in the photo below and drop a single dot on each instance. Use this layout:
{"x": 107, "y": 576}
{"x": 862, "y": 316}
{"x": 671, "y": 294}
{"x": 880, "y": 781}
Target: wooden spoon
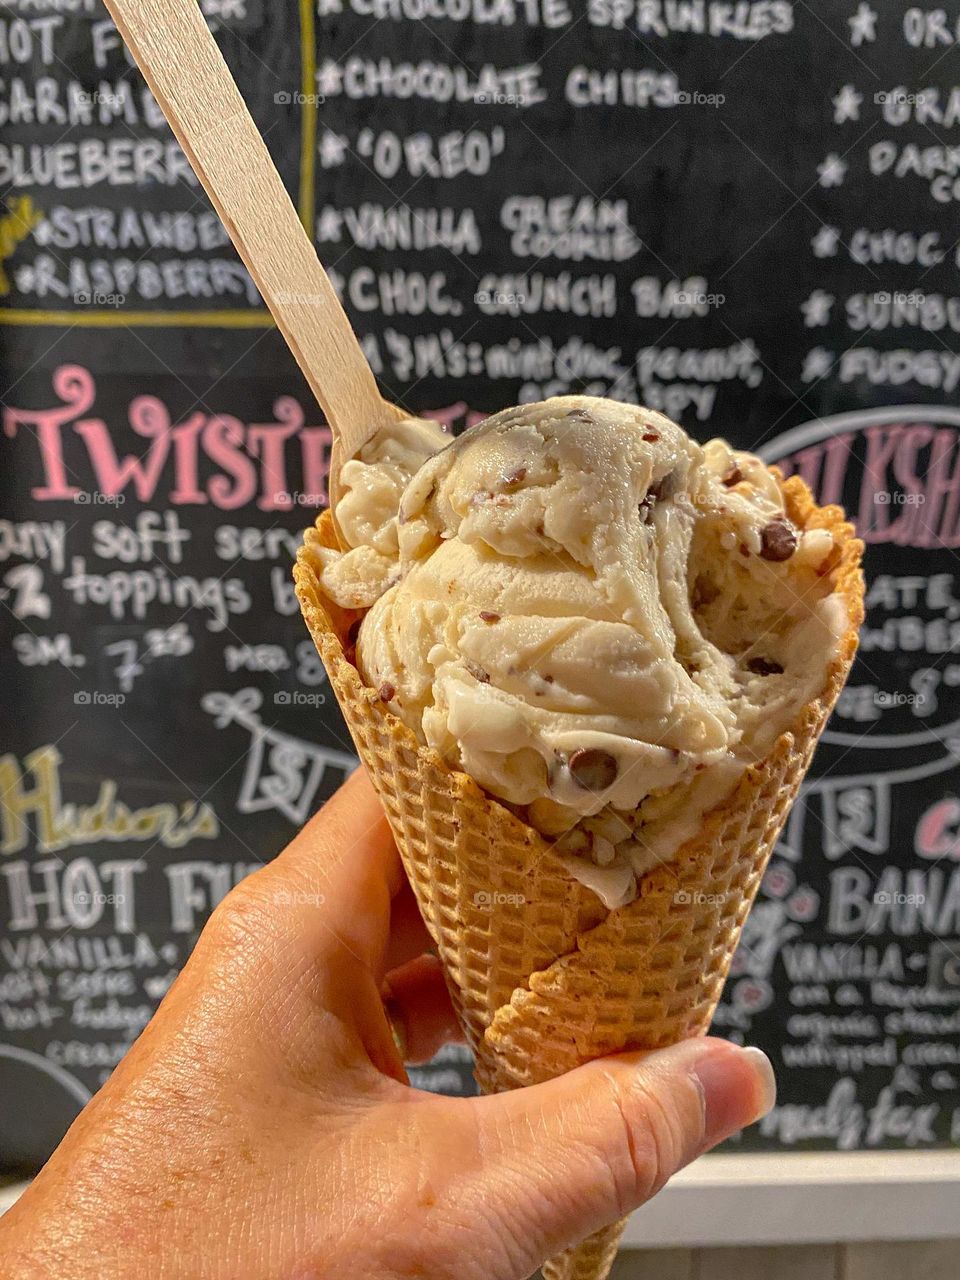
{"x": 184, "y": 68}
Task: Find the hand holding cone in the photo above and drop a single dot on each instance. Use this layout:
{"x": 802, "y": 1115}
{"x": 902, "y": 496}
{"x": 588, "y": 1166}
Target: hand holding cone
{"x": 542, "y": 975}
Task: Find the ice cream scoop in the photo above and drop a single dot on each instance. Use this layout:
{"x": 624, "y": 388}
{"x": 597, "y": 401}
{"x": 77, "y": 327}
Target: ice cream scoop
{"x": 599, "y": 620}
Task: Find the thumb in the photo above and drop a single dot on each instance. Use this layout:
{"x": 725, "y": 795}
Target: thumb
{"x": 565, "y": 1158}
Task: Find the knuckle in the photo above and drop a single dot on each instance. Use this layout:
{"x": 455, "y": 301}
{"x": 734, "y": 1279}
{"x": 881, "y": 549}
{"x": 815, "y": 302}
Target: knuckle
{"x": 651, "y": 1146}
{"x": 242, "y": 922}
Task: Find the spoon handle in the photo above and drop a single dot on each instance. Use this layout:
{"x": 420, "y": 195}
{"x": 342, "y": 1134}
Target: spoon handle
{"x": 185, "y": 70}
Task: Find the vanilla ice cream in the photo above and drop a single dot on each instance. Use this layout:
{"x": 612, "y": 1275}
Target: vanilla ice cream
{"x": 598, "y": 619}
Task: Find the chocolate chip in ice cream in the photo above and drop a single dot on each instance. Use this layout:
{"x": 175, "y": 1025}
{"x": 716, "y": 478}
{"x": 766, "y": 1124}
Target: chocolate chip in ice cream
{"x": 764, "y": 667}
{"x": 778, "y": 540}
{"x": 514, "y": 478}
{"x": 487, "y": 616}
{"x": 667, "y": 486}
{"x": 651, "y": 437}
{"x": 387, "y": 692}
{"x": 593, "y": 769}
{"x": 732, "y": 476}
{"x": 705, "y": 591}
{"x": 582, "y": 415}
{"x": 478, "y": 673}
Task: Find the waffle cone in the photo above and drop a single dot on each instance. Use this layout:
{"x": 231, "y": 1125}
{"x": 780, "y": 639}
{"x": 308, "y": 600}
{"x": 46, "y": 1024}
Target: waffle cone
{"x": 544, "y": 977}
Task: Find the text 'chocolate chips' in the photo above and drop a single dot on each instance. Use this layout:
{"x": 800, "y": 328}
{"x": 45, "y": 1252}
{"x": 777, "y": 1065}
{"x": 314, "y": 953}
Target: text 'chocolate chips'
{"x": 593, "y": 769}
{"x": 778, "y": 540}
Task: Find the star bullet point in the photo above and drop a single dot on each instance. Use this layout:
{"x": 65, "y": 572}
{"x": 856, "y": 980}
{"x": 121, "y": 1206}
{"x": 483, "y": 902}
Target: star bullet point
{"x": 846, "y": 105}
{"x": 824, "y": 243}
{"x": 863, "y": 25}
{"x": 816, "y": 309}
{"x": 816, "y": 365}
{"x": 833, "y": 171}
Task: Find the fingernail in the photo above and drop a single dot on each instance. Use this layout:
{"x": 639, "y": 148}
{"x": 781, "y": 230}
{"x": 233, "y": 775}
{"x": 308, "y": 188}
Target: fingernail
{"x": 732, "y": 1096}
{"x": 766, "y": 1079}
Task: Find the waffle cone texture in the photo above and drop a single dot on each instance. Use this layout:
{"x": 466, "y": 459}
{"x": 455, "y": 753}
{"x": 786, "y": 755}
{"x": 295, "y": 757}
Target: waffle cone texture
{"x": 543, "y": 976}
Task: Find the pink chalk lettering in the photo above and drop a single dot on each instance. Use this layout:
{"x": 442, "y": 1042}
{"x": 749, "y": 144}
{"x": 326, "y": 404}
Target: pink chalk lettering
{"x": 939, "y": 518}
{"x": 909, "y": 491}
{"x": 268, "y": 443}
{"x": 185, "y": 460}
{"x": 223, "y": 440}
{"x": 207, "y": 458}
{"x": 75, "y": 387}
{"x": 937, "y": 831}
{"x": 149, "y": 418}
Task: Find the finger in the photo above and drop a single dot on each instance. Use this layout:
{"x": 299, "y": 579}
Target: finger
{"x": 565, "y": 1158}
{"x": 319, "y": 915}
{"x": 409, "y": 937}
{"x": 420, "y": 1011}
{"x": 337, "y": 877}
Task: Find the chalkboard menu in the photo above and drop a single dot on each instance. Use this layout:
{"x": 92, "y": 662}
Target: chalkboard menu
{"x": 744, "y": 214}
